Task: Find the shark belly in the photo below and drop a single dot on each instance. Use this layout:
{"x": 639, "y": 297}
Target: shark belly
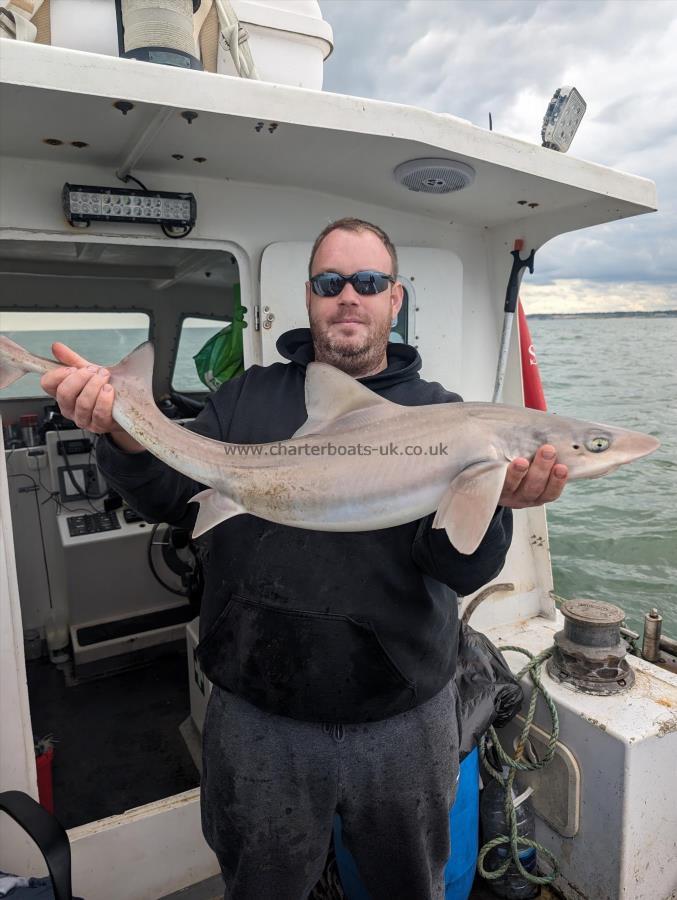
{"x": 354, "y": 496}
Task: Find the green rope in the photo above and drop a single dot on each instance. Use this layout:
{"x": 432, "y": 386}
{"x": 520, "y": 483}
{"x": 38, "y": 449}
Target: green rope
{"x": 515, "y": 764}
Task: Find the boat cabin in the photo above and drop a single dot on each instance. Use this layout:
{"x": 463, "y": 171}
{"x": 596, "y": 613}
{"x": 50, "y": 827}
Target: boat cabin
{"x": 99, "y": 609}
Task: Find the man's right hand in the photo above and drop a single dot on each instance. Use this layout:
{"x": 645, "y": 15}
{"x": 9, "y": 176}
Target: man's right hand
{"x": 85, "y": 396}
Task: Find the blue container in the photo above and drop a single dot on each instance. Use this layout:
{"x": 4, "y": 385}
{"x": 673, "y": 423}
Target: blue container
{"x": 464, "y": 830}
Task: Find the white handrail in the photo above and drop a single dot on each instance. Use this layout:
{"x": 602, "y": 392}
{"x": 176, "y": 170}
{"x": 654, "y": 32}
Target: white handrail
{"x": 15, "y": 19}
{"x": 235, "y": 39}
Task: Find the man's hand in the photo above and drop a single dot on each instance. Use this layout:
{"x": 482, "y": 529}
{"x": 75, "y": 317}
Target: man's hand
{"x": 534, "y": 484}
{"x": 85, "y": 396}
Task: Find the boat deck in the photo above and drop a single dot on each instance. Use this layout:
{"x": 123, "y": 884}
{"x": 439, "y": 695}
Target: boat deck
{"x": 107, "y": 757}
{"x": 108, "y": 760}
{"x": 213, "y": 890}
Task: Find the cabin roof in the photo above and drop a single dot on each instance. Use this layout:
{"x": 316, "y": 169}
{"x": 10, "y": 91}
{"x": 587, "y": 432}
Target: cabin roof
{"x": 325, "y": 142}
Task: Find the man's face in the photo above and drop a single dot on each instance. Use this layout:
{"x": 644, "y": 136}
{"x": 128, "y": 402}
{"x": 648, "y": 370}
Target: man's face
{"x": 351, "y": 331}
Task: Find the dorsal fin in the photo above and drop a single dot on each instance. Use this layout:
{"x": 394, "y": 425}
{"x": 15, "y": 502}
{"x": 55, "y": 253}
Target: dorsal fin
{"x": 137, "y": 364}
{"x": 330, "y": 393}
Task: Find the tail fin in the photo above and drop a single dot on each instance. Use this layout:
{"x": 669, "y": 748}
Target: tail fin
{"x": 10, "y": 370}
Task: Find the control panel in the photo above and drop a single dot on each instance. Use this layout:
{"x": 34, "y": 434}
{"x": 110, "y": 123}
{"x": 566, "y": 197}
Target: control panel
{"x": 93, "y": 523}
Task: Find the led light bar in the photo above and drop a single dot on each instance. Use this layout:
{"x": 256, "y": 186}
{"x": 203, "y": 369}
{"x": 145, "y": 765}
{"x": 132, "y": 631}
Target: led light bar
{"x": 562, "y": 118}
{"x": 85, "y": 203}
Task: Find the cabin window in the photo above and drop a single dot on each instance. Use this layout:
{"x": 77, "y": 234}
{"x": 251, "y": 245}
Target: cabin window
{"x": 399, "y": 333}
{"x": 195, "y": 332}
{"x": 100, "y": 337}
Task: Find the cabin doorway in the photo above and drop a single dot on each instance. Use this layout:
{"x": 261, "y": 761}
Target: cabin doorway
{"x": 106, "y": 599}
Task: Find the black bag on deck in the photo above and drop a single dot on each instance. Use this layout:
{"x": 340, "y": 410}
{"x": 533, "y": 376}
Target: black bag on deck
{"x": 490, "y": 694}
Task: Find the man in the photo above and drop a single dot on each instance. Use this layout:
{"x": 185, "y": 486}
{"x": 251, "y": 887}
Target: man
{"x": 332, "y": 655}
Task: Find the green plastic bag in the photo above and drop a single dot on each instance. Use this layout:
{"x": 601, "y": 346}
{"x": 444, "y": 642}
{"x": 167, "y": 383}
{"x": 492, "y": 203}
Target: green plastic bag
{"x": 222, "y": 357}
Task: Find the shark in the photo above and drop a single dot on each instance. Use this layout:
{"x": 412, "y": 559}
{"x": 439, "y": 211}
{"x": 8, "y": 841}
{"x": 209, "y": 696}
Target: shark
{"x": 359, "y": 462}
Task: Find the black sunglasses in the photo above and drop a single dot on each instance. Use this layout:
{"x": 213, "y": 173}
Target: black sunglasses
{"x": 330, "y": 284}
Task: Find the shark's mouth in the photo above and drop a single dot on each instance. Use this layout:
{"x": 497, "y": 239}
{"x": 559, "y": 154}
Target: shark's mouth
{"x": 599, "y": 473}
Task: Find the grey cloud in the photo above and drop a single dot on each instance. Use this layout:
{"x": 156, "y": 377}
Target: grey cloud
{"x": 506, "y": 57}
{"x": 640, "y": 249}
{"x": 619, "y": 110}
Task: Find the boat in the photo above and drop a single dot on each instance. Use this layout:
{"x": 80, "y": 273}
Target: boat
{"x": 248, "y": 159}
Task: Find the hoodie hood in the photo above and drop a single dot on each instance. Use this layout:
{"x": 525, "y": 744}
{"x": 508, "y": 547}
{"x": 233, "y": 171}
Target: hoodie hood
{"x": 404, "y": 362}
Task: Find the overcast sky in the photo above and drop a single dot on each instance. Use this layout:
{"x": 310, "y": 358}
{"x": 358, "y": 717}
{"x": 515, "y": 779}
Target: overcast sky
{"x": 507, "y": 57}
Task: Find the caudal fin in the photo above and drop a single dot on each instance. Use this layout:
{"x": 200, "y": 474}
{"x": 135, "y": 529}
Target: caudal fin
{"x": 10, "y": 368}
{"x": 9, "y": 374}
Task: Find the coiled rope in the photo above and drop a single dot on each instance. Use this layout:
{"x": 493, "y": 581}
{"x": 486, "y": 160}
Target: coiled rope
{"x": 159, "y": 23}
{"x": 518, "y": 764}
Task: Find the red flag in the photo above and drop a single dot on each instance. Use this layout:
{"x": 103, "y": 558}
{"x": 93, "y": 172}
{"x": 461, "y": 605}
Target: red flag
{"x": 534, "y": 397}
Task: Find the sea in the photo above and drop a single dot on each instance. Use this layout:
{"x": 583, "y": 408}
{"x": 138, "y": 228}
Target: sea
{"x": 613, "y": 538}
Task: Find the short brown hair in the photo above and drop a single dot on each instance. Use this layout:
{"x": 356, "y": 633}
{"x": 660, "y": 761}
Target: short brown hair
{"x": 356, "y": 225}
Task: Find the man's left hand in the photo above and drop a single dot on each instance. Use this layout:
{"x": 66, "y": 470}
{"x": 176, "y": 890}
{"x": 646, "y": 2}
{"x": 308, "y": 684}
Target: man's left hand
{"x": 535, "y": 483}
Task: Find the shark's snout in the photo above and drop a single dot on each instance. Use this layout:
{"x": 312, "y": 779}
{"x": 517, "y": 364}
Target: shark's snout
{"x": 652, "y": 444}
{"x": 634, "y": 445}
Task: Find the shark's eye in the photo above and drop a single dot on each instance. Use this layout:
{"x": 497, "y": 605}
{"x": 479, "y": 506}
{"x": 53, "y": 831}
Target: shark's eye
{"x": 597, "y": 444}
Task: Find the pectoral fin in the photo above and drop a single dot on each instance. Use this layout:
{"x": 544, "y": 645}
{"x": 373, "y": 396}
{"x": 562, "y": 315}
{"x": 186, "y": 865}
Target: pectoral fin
{"x": 214, "y": 509}
{"x": 469, "y": 504}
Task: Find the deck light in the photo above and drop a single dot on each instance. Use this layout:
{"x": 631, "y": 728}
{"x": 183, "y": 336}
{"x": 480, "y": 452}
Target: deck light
{"x": 83, "y": 204}
{"x": 562, "y": 118}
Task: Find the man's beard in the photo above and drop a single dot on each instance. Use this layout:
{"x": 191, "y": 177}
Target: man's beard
{"x": 354, "y": 359}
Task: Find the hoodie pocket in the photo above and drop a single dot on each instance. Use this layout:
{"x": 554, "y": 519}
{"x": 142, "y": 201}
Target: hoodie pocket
{"x": 321, "y": 667}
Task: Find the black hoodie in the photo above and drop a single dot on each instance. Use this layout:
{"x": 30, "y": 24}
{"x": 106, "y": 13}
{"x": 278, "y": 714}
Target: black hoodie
{"x": 319, "y": 626}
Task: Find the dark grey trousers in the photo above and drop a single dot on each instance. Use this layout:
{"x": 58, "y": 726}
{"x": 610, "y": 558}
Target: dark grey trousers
{"x": 271, "y": 786}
